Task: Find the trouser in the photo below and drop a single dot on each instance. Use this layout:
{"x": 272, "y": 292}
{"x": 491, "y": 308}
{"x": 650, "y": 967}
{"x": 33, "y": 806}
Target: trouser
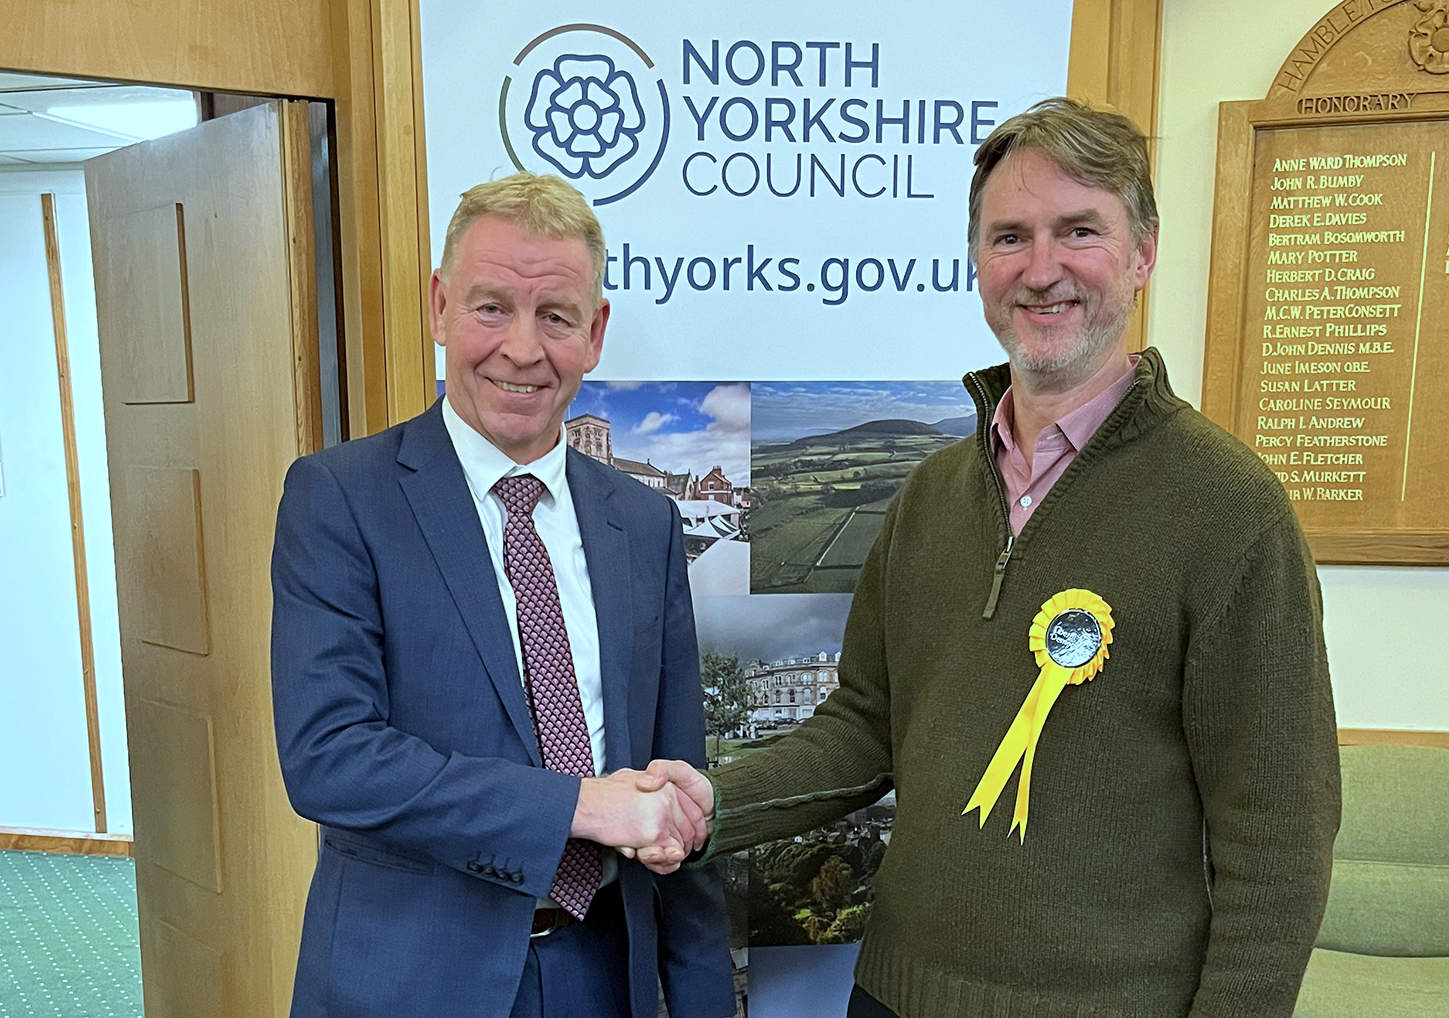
{"x": 581, "y": 970}
{"x": 863, "y": 1005}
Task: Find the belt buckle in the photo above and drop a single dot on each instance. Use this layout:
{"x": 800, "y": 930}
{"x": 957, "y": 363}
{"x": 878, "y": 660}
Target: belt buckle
{"x": 558, "y": 919}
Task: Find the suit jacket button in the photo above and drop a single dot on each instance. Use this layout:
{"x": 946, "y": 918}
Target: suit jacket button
{"x": 474, "y": 867}
{"x": 517, "y": 878}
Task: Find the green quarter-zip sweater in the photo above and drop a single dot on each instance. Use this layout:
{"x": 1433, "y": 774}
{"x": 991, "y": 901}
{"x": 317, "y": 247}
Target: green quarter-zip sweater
{"x": 1183, "y": 802}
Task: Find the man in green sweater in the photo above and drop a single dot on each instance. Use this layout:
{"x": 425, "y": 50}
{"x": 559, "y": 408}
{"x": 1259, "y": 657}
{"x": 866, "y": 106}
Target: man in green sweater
{"x": 1087, "y": 651}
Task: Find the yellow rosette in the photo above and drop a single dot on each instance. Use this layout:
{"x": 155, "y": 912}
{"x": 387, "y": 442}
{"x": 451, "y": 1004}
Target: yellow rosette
{"x": 1070, "y": 637}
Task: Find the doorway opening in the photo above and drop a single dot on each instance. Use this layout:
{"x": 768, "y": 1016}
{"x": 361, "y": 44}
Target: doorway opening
{"x": 67, "y": 726}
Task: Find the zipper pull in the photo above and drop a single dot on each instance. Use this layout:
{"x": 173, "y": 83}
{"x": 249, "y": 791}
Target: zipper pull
{"x": 996, "y": 579}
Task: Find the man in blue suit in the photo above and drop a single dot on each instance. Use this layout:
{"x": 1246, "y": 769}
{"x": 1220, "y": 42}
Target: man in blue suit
{"x": 477, "y": 634}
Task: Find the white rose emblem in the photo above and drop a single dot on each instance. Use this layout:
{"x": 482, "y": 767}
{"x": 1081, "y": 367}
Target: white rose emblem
{"x": 585, "y": 115}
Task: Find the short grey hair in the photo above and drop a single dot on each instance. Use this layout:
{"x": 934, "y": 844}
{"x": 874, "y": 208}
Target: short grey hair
{"x": 541, "y": 204}
{"x": 1095, "y": 147}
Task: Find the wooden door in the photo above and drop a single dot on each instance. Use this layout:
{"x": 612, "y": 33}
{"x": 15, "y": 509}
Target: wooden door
{"x": 205, "y": 293}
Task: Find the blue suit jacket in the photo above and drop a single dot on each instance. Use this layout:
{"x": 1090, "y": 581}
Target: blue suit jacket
{"x": 403, "y": 730}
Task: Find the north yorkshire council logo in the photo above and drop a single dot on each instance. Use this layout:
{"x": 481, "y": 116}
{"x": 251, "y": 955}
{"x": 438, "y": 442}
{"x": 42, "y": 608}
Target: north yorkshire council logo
{"x": 585, "y": 102}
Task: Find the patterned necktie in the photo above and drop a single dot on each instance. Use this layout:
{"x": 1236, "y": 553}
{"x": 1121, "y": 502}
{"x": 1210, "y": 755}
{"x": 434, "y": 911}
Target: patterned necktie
{"x": 548, "y": 676}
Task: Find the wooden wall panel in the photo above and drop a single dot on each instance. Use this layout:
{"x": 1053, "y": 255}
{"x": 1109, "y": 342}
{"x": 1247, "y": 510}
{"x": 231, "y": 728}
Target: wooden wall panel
{"x": 364, "y": 339}
{"x": 1392, "y": 737}
{"x": 1114, "y": 57}
{"x": 261, "y": 46}
{"x": 384, "y": 246}
{"x": 403, "y": 167}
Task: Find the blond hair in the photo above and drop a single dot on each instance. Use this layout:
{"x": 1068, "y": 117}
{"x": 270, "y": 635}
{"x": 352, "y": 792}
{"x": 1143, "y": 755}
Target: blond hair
{"x": 1095, "y": 147}
{"x": 540, "y": 204}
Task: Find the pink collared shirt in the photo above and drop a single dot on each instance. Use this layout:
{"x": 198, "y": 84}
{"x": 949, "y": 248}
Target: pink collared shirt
{"x": 1056, "y": 447}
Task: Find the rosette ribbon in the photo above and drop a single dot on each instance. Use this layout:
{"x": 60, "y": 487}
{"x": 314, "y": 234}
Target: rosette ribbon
{"x": 1069, "y": 637}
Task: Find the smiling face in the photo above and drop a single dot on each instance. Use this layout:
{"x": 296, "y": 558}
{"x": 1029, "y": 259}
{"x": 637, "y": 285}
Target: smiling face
{"x": 516, "y": 316}
{"x": 1058, "y": 269}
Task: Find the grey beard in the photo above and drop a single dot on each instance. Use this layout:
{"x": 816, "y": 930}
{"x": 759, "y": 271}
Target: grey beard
{"x": 1072, "y": 366}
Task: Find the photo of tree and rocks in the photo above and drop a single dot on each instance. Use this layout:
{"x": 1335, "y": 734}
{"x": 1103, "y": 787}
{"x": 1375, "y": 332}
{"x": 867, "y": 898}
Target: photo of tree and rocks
{"x": 766, "y": 664}
{"x": 825, "y": 460}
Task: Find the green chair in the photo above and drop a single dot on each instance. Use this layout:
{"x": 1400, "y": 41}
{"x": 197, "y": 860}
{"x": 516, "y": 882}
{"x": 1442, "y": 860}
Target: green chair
{"x": 1383, "y": 951}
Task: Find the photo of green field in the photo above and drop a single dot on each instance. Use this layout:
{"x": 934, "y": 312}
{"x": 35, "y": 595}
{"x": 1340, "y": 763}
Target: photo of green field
{"x": 825, "y": 460}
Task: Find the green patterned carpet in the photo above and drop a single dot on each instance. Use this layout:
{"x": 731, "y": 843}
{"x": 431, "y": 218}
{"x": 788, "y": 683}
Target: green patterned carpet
{"x": 68, "y": 937}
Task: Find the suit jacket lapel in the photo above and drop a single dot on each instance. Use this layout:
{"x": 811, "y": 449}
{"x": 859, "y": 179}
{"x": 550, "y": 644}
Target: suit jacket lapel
{"x": 606, "y": 550}
{"x": 443, "y": 506}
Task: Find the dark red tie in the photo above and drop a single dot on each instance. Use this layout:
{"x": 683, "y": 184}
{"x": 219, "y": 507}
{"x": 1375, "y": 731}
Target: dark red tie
{"x": 548, "y": 676}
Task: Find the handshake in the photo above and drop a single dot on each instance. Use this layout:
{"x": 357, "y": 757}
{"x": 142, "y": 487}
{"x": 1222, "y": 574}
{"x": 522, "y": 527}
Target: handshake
{"x": 659, "y": 815}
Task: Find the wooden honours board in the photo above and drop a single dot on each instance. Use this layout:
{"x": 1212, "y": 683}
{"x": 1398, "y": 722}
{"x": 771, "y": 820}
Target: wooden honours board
{"x": 1328, "y": 306}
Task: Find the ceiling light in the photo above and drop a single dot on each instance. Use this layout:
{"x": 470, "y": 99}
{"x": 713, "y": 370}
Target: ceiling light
{"x": 130, "y": 120}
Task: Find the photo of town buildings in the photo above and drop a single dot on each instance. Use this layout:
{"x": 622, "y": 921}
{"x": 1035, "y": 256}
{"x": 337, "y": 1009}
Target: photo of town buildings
{"x": 766, "y": 665}
{"x": 691, "y": 442}
{"x": 785, "y": 692}
{"x": 826, "y": 458}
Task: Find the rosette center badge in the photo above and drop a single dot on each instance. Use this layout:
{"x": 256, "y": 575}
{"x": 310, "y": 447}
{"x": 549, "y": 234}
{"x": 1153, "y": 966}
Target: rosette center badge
{"x": 1073, "y": 638}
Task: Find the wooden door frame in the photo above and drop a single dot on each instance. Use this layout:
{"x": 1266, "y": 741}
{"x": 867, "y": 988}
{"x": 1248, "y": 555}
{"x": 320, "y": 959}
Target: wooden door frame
{"x": 1115, "y": 60}
{"x": 364, "y": 57}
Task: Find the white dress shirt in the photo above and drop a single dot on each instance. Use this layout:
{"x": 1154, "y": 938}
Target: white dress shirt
{"x": 558, "y": 526}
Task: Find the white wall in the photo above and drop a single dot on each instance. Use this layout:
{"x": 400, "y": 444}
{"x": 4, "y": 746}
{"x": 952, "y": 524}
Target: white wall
{"x": 1383, "y": 625}
{"x": 43, "y": 749}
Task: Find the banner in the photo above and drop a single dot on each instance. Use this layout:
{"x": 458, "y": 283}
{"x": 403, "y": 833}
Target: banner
{"x": 783, "y": 190}
{"x": 782, "y": 187}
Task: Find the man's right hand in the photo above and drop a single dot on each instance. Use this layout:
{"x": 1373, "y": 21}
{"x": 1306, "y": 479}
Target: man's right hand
{"x": 631, "y": 811}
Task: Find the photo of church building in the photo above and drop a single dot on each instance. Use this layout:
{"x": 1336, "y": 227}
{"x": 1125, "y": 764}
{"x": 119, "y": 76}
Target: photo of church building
{"x": 690, "y": 442}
